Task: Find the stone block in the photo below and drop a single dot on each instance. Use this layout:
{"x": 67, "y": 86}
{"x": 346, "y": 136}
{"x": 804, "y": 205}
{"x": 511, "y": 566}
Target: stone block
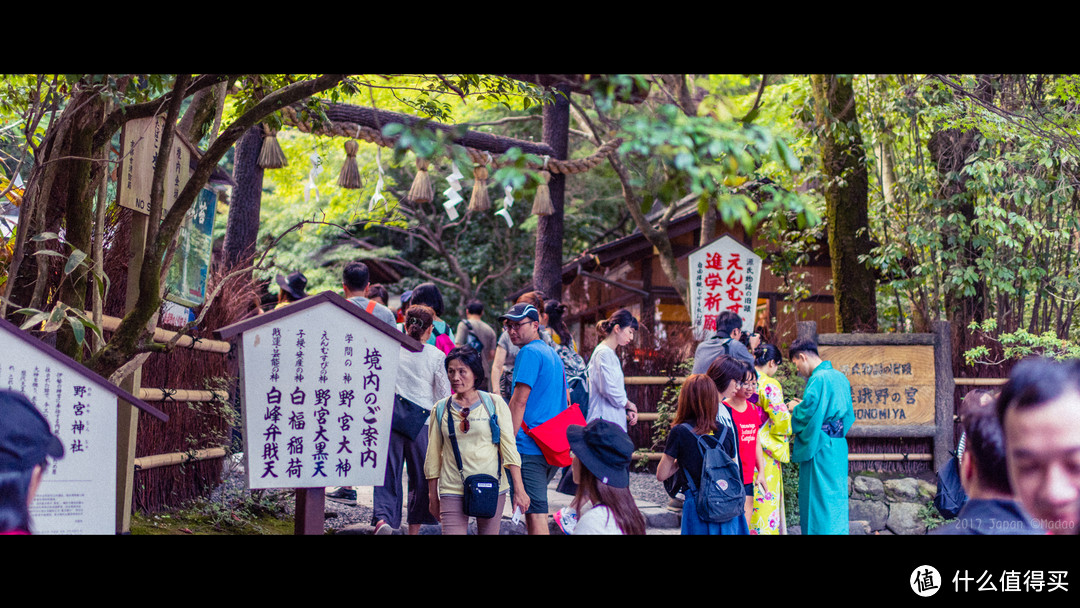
{"x": 875, "y": 512}
{"x": 904, "y": 519}
{"x": 864, "y": 487}
{"x": 902, "y": 490}
{"x": 858, "y": 528}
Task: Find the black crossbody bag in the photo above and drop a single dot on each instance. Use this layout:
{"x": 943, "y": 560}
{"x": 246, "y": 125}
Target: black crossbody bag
{"x": 481, "y": 495}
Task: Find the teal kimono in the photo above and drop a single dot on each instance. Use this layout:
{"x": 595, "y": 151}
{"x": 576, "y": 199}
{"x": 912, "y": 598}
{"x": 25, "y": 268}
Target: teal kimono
{"x": 823, "y": 460}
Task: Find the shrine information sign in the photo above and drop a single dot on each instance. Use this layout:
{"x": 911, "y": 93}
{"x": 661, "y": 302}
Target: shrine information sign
{"x": 317, "y": 393}
{"x": 141, "y": 142}
{"x": 890, "y": 384}
{"x": 724, "y": 275}
{"x": 78, "y": 492}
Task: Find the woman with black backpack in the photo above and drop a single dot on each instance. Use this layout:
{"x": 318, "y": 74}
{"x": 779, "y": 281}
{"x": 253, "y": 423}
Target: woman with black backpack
{"x": 693, "y": 434}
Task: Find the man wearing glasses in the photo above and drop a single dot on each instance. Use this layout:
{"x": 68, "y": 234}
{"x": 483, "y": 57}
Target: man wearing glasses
{"x": 539, "y": 394}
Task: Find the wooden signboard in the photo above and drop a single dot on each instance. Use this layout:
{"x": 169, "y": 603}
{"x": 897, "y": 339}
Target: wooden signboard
{"x": 78, "y": 492}
{"x": 724, "y": 275}
{"x": 317, "y": 384}
{"x": 140, "y": 142}
{"x": 901, "y": 384}
{"x": 890, "y": 384}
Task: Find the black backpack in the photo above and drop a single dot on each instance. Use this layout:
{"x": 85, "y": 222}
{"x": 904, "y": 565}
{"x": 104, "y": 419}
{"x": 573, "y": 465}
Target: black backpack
{"x": 472, "y": 340}
{"x": 950, "y": 492}
{"x": 722, "y": 496}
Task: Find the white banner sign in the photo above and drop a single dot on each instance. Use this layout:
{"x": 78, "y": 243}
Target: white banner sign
{"x": 724, "y": 275}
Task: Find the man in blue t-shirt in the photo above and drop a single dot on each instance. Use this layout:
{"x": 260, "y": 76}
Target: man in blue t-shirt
{"x": 539, "y": 394}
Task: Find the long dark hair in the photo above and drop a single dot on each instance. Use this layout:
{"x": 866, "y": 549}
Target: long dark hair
{"x": 619, "y": 500}
{"x": 622, "y": 317}
{"x": 698, "y": 401}
{"x": 428, "y": 294}
{"x": 555, "y": 311}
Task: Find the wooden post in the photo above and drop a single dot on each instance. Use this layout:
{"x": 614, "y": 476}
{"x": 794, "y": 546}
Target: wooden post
{"x": 806, "y": 330}
{"x": 127, "y": 415}
{"x": 945, "y": 393}
{"x": 310, "y": 511}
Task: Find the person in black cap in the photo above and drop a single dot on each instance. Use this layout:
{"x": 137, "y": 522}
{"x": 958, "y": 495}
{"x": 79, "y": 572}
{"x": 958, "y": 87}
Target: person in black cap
{"x": 292, "y": 288}
{"x": 602, "y": 453}
{"x": 25, "y": 442}
{"x": 539, "y": 395}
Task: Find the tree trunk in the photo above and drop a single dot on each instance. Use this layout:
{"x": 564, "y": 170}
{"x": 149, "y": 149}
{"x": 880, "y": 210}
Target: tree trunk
{"x": 846, "y": 192}
{"x": 242, "y": 227}
{"x": 949, "y": 150}
{"x": 547, "y": 268}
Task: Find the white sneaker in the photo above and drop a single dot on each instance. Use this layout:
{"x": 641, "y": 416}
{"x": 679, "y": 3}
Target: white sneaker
{"x": 566, "y": 519}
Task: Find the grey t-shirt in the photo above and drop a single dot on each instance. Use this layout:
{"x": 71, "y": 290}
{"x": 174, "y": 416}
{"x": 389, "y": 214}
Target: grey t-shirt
{"x": 381, "y": 312}
{"x": 712, "y": 348}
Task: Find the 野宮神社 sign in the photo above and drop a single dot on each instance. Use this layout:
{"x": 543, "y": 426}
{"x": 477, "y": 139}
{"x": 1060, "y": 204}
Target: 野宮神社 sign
{"x": 78, "y": 492}
{"x": 724, "y": 275}
{"x": 317, "y": 393}
{"x": 890, "y": 384}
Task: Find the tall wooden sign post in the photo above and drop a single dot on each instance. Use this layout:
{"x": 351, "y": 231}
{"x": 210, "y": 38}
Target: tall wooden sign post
{"x": 901, "y": 384}
{"x": 140, "y": 141}
{"x": 317, "y": 384}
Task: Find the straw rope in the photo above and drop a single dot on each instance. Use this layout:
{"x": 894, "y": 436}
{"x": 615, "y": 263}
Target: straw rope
{"x": 480, "y": 157}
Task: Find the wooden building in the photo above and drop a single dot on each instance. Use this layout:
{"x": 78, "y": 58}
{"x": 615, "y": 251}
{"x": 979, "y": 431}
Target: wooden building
{"x": 627, "y": 273}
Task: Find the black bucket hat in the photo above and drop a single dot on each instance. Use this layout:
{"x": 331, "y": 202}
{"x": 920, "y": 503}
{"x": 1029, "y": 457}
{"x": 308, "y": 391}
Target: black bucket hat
{"x": 25, "y": 438}
{"x": 603, "y": 448}
{"x": 294, "y": 284}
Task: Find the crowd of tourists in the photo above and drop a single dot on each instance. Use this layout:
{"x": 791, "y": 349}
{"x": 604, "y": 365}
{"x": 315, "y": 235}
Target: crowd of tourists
{"x": 486, "y": 417}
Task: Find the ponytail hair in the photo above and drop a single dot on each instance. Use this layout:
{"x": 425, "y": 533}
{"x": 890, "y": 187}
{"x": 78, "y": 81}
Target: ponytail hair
{"x": 555, "y": 311}
{"x": 765, "y": 353}
{"x": 418, "y": 319}
{"x": 622, "y": 317}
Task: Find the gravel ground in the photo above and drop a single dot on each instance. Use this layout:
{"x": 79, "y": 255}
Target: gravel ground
{"x": 643, "y": 486}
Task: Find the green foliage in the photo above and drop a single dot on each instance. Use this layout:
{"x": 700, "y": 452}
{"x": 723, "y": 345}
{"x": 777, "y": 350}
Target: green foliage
{"x": 704, "y": 156}
{"x": 1020, "y": 344}
{"x": 668, "y": 404}
{"x": 1004, "y": 227}
{"x": 930, "y": 517}
{"x": 54, "y": 319}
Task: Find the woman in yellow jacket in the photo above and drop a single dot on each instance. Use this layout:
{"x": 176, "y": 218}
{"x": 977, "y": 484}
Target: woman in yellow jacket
{"x": 773, "y": 438}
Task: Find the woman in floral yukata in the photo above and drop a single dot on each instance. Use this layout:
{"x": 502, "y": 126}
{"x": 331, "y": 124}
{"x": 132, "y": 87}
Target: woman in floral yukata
{"x": 767, "y": 517}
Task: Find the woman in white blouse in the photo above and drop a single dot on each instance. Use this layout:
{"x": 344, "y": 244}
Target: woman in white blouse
{"x": 607, "y": 393}
{"x": 421, "y": 379}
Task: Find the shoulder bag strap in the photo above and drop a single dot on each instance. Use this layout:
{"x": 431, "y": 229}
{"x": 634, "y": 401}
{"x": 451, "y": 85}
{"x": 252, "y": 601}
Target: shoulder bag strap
{"x": 453, "y": 440}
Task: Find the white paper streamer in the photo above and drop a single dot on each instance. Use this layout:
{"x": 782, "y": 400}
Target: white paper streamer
{"x": 316, "y": 169}
{"x": 508, "y": 201}
{"x": 378, "y": 195}
{"x": 453, "y": 192}
{"x": 505, "y": 213}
